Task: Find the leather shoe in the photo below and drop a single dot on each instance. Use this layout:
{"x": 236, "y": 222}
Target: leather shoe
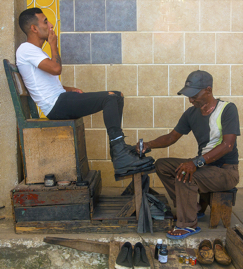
{"x": 220, "y": 253}
{"x": 205, "y": 254}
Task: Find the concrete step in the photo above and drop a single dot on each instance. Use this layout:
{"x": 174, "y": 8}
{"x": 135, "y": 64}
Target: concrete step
{"x": 29, "y": 250}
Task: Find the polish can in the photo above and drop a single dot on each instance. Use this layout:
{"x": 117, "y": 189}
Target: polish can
{"x": 50, "y": 180}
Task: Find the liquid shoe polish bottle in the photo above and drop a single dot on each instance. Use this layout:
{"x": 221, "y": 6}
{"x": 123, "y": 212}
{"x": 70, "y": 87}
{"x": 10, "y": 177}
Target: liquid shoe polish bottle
{"x": 157, "y": 248}
{"x": 163, "y": 254}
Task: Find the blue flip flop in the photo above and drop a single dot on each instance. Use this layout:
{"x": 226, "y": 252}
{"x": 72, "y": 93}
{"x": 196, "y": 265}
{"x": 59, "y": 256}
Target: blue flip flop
{"x": 190, "y": 231}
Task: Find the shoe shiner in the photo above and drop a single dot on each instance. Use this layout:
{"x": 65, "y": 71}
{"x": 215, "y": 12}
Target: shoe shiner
{"x": 40, "y": 75}
{"x": 215, "y": 125}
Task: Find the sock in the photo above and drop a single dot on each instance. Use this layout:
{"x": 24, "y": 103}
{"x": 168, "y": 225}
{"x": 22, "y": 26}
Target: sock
{"x": 117, "y": 138}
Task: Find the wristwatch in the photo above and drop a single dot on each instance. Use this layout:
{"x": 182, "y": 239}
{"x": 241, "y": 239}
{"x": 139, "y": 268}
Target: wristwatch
{"x": 199, "y": 161}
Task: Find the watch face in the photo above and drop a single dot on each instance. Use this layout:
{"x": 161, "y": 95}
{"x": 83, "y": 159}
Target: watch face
{"x": 200, "y": 163}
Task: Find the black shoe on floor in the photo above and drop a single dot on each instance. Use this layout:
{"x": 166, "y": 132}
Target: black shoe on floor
{"x": 140, "y": 260}
{"x": 124, "y": 258}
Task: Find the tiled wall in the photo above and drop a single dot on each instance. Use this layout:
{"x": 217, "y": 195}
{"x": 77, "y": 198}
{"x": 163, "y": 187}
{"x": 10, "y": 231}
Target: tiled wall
{"x": 146, "y": 49}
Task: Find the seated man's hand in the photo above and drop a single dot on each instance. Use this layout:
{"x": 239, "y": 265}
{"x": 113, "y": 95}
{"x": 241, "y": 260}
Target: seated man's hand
{"x": 77, "y": 90}
{"x": 52, "y": 38}
{"x": 72, "y": 89}
{"x": 185, "y": 171}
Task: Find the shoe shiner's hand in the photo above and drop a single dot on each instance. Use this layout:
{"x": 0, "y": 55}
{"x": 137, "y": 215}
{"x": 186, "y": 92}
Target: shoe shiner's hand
{"x": 145, "y": 147}
{"x": 185, "y": 171}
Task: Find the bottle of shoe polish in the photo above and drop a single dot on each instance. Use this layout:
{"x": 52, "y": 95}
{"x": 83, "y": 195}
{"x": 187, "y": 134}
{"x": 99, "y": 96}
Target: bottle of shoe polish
{"x": 163, "y": 254}
{"x": 157, "y": 248}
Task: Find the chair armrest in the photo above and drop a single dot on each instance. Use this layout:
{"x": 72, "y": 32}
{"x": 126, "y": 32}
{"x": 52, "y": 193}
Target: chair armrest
{"x": 45, "y": 123}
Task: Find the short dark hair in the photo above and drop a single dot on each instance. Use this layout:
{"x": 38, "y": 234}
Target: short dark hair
{"x": 27, "y": 18}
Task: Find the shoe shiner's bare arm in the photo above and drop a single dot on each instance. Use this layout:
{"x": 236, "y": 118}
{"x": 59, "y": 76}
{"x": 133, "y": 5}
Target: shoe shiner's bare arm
{"x": 163, "y": 141}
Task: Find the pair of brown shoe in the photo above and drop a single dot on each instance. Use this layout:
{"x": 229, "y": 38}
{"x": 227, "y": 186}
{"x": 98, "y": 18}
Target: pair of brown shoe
{"x": 206, "y": 253}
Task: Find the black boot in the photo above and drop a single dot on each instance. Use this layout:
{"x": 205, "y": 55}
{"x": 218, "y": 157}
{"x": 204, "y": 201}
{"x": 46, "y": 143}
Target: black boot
{"x": 123, "y": 159}
{"x": 134, "y": 170}
{"x": 131, "y": 149}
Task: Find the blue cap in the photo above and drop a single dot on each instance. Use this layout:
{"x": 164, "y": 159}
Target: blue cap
{"x": 195, "y": 82}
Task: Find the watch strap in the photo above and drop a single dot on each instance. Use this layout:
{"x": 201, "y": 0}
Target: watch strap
{"x": 199, "y": 161}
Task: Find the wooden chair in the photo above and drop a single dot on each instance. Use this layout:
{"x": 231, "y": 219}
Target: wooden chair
{"x": 221, "y": 206}
{"x": 47, "y": 146}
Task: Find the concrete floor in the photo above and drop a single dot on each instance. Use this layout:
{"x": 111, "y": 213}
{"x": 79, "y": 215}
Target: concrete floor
{"x": 29, "y": 251}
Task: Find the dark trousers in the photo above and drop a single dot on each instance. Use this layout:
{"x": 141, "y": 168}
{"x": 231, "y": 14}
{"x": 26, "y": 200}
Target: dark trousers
{"x": 73, "y": 105}
{"x": 184, "y": 195}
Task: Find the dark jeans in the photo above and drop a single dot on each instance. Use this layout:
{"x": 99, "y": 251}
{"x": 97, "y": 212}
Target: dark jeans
{"x": 73, "y": 105}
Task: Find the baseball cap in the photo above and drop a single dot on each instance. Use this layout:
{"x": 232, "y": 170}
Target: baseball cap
{"x": 195, "y": 82}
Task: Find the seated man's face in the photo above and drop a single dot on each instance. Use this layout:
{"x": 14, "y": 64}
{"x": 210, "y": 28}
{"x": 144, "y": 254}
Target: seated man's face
{"x": 44, "y": 26}
{"x": 199, "y": 99}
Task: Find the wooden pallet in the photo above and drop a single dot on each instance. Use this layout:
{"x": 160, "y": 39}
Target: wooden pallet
{"x": 105, "y": 219}
{"x": 75, "y": 209}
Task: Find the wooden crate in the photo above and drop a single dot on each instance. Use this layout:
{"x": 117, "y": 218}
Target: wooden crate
{"x": 234, "y": 245}
{"x": 33, "y": 203}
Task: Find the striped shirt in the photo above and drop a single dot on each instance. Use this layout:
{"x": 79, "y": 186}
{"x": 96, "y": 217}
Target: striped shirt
{"x": 209, "y": 130}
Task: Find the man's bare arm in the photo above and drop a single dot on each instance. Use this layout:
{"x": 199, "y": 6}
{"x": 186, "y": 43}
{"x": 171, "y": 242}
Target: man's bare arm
{"x": 165, "y": 141}
{"x": 53, "y": 65}
{"x": 225, "y": 147}
{"x": 162, "y": 141}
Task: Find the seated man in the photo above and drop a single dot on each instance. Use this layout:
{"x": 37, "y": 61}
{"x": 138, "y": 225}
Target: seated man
{"x": 215, "y": 125}
{"x": 40, "y": 75}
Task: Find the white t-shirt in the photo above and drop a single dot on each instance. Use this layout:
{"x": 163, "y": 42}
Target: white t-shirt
{"x": 43, "y": 87}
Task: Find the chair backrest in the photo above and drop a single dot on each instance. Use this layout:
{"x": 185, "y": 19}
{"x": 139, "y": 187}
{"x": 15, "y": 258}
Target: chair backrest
{"x": 25, "y": 107}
